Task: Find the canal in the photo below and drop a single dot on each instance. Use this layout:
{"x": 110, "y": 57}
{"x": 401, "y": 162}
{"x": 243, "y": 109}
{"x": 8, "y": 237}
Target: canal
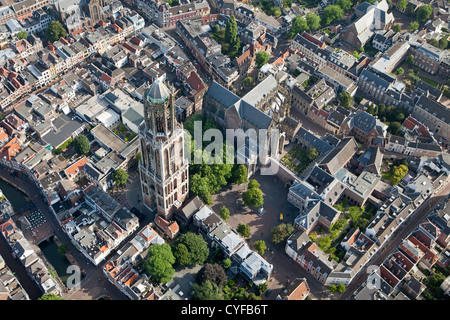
{"x": 19, "y": 200}
{"x": 50, "y": 249}
{"x": 21, "y": 203}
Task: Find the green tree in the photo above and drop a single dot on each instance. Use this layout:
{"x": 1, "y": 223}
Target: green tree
{"x": 138, "y": 157}
{"x": 240, "y": 174}
{"x": 253, "y": 197}
{"x": 50, "y": 296}
{"x": 332, "y": 14}
{"x": 81, "y": 144}
{"x": 397, "y": 28}
{"x": 199, "y": 187}
{"x": 399, "y": 71}
{"x": 413, "y": 26}
{"x": 263, "y": 287}
{"x": 231, "y": 31}
{"x": 252, "y": 184}
{"x": 345, "y": 99}
{"x": 281, "y": 232}
{"x": 181, "y": 254}
{"x": 22, "y": 35}
{"x": 260, "y": 246}
{"x": 409, "y": 60}
{"x": 340, "y": 288}
{"x": 312, "y": 154}
{"x": 224, "y": 213}
{"x": 324, "y": 243}
{"x": 159, "y": 262}
{"x": 424, "y": 12}
{"x": 313, "y": 21}
{"x": 313, "y": 236}
{"x": 395, "y": 127}
{"x": 207, "y": 291}
{"x": 299, "y": 25}
{"x": 120, "y": 177}
{"x": 196, "y": 246}
{"x": 55, "y": 31}
{"x": 402, "y": 4}
{"x": 243, "y": 230}
{"x": 332, "y": 288}
{"x": 261, "y": 58}
{"x": 247, "y": 82}
{"x": 62, "y": 249}
{"x": 443, "y": 43}
{"x": 276, "y": 11}
{"x": 226, "y": 263}
{"x": 345, "y": 5}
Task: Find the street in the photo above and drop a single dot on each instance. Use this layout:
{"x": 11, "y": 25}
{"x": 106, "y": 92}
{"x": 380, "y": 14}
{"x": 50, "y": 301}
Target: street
{"x": 392, "y": 243}
{"x": 91, "y": 282}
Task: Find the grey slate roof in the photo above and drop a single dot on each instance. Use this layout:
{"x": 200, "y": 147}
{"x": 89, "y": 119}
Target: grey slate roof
{"x": 222, "y": 95}
{"x": 438, "y": 110}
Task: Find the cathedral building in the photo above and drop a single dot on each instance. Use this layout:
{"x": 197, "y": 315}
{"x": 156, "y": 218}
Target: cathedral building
{"x": 78, "y": 14}
{"x": 164, "y": 168}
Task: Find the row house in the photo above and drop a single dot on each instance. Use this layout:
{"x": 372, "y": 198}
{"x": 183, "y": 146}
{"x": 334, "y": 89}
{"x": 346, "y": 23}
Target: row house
{"x": 309, "y": 256}
{"x": 384, "y": 88}
{"x": 434, "y": 115}
{"x": 429, "y": 58}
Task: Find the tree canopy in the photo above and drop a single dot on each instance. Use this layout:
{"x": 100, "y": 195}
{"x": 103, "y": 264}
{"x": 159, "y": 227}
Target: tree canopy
{"x": 253, "y": 197}
{"x": 81, "y": 144}
{"x": 345, "y": 99}
{"x": 345, "y": 5}
{"x": 332, "y": 14}
{"x": 243, "y": 230}
{"x": 397, "y": 28}
{"x": 261, "y": 58}
{"x": 224, "y": 213}
{"x": 402, "y": 4}
{"x": 55, "y": 31}
{"x": 159, "y": 262}
{"x": 281, "y": 232}
{"x": 22, "y": 35}
{"x": 214, "y": 273}
{"x": 313, "y": 21}
{"x": 120, "y": 177}
{"x": 424, "y": 12}
{"x": 299, "y": 25}
{"x": 50, "y": 296}
{"x": 413, "y": 26}
{"x": 260, "y": 246}
{"x": 207, "y": 291}
{"x": 196, "y": 246}
{"x": 239, "y": 174}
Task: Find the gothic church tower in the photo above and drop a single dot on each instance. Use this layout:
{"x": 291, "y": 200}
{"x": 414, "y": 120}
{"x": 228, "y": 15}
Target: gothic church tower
{"x": 164, "y": 168}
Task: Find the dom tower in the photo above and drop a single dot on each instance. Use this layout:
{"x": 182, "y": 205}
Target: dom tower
{"x": 164, "y": 169}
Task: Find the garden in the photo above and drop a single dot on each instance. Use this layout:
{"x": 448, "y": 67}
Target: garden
{"x": 351, "y": 217}
{"x": 124, "y": 133}
{"x": 299, "y": 159}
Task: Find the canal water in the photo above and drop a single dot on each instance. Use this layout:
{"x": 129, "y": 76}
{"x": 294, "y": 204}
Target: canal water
{"x": 21, "y": 202}
{"x": 50, "y": 249}
{"x": 18, "y": 199}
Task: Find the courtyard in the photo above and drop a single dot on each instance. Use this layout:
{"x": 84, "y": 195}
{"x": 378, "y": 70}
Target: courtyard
{"x": 275, "y": 202}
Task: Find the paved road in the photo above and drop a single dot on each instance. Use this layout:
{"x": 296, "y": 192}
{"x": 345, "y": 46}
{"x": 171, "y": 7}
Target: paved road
{"x": 93, "y": 272}
{"x": 399, "y": 235}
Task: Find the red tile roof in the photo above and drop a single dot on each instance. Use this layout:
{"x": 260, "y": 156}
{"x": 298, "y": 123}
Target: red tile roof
{"x": 10, "y": 150}
{"x": 3, "y": 135}
{"x": 73, "y": 169}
